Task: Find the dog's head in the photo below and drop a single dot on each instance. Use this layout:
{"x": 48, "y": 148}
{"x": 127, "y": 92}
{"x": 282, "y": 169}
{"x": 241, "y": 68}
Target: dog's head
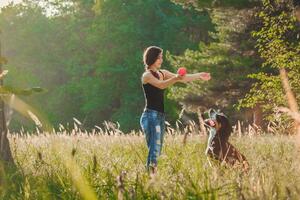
{"x": 219, "y": 121}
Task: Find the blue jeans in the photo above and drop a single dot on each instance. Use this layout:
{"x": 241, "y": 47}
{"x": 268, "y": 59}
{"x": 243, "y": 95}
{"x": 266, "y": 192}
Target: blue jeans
{"x": 153, "y": 125}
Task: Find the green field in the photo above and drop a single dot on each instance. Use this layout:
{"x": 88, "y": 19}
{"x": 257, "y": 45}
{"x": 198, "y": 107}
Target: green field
{"x": 101, "y": 166}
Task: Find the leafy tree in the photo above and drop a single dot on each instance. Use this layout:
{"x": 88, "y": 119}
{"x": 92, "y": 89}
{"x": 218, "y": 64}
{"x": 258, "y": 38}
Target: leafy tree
{"x": 229, "y": 58}
{"x": 199, "y": 4}
{"x": 278, "y": 44}
{"x": 34, "y": 45}
{"x": 126, "y": 29}
{"x": 88, "y": 55}
{"x": 5, "y": 151}
{"x": 5, "y": 93}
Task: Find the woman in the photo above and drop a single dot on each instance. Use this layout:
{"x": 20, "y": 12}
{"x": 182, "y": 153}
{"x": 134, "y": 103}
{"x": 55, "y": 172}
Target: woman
{"x": 154, "y": 82}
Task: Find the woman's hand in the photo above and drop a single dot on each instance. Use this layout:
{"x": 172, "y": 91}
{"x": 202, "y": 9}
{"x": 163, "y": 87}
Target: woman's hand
{"x": 205, "y": 76}
{"x": 179, "y": 77}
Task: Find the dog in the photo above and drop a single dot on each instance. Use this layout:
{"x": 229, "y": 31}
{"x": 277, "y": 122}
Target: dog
{"x": 218, "y": 146}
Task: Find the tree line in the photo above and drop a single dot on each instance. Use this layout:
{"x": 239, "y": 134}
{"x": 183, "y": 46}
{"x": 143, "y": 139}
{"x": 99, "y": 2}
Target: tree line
{"x": 87, "y": 55}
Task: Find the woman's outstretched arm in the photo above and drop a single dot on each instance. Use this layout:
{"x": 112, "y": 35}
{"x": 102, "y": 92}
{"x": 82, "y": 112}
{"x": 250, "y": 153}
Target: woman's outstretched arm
{"x": 162, "y": 84}
{"x": 188, "y": 77}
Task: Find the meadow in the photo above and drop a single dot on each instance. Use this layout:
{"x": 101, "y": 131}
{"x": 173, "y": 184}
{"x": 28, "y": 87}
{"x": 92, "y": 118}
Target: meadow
{"x": 84, "y": 58}
{"x": 107, "y": 164}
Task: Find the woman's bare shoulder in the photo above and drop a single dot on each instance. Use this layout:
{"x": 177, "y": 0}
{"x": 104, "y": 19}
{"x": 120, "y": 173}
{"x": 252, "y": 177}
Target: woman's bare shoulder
{"x": 145, "y": 76}
{"x": 146, "y": 73}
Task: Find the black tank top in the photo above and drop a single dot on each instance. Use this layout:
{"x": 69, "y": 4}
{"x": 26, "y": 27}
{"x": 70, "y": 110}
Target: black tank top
{"x": 154, "y": 97}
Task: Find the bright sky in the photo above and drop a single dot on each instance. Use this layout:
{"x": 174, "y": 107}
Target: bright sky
{"x": 5, "y": 2}
{"x": 49, "y": 10}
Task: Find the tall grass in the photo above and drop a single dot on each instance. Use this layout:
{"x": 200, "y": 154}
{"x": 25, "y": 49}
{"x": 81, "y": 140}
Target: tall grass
{"x": 107, "y": 164}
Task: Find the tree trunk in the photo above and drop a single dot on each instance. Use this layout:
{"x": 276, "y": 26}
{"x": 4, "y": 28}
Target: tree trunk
{"x": 257, "y": 116}
{"x": 292, "y": 102}
{"x": 5, "y": 152}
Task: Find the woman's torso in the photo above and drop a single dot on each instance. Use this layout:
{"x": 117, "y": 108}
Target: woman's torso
{"x": 154, "y": 97}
